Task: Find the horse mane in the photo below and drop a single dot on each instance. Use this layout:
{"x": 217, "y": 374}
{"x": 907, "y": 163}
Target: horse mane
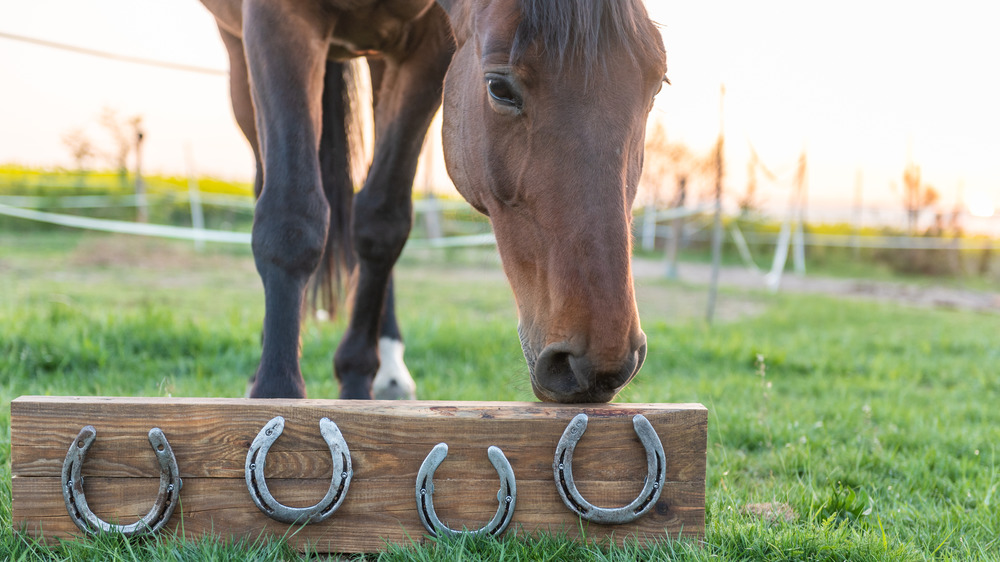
{"x": 580, "y": 30}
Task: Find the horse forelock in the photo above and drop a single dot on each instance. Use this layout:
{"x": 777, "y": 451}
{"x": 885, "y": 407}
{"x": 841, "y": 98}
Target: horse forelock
{"x": 582, "y": 30}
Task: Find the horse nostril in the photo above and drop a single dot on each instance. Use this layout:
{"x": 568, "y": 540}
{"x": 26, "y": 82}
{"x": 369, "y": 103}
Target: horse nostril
{"x": 613, "y": 380}
{"x": 564, "y": 376}
{"x": 555, "y": 372}
{"x": 618, "y": 379}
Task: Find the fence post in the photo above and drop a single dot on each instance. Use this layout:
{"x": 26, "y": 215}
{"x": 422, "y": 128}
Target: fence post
{"x": 858, "y": 194}
{"x": 744, "y": 249}
{"x": 432, "y": 217}
{"x": 798, "y": 235}
{"x": 773, "y": 278}
{"x": 197, "y": 214}
{"x": 194, "y": 198}
{"x": 799, "y": 249}
{"x": 649, "y": 227}
{"x": 142, "y": 205}
{"x": 676, "y": 230}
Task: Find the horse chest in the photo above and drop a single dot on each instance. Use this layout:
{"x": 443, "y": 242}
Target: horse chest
{"x": 360, "y": 27}
{"x": 365, "y": 27}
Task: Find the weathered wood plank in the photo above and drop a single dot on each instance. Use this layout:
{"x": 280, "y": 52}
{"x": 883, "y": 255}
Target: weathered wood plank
{"x": 211, "y": 437}
{"x": 388, "y": 441}
{"x": 362, "y": 523}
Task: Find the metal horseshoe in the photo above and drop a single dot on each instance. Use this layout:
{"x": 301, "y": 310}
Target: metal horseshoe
{"x": 76, "y": 501}
{"x": 507, "y": 496}
{"x": 656, "y": 474}
{"x": 341, "y": 479}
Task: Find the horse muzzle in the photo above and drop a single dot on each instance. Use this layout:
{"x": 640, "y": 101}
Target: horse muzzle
{"x": 562, "y": 373}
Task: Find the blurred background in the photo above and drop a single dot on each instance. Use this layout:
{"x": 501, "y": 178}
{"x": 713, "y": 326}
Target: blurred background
{"x": 829, "y": 134}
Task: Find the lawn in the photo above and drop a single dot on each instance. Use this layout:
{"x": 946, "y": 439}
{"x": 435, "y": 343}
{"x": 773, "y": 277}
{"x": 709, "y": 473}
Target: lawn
{"x": 874, "y": 426}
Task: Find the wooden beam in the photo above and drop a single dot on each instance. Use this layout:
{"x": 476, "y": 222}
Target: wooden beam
{"x": 388, "y": 441}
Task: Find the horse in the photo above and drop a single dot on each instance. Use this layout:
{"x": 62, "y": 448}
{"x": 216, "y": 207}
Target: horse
{"x": 544, "y": 110}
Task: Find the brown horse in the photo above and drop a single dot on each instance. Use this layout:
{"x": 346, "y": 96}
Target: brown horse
{"x": 545, "y": 105}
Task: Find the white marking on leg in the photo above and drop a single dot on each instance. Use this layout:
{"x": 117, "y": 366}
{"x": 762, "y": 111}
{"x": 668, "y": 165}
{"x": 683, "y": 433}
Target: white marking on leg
{"x": 393, "y": 380}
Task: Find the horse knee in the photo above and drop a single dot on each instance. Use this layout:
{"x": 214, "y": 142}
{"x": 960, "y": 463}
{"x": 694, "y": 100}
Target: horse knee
{"x": 291, "y": 240}
{"x": 380, "y": 236}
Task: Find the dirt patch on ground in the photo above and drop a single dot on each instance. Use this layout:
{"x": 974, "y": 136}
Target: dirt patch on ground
{"x": 677, "y": 303}
{"x": 771, "y": 512}
{"x": 145, "y": 253}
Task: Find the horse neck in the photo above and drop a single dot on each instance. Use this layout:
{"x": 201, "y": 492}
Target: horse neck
{"x": 460, "y": 13}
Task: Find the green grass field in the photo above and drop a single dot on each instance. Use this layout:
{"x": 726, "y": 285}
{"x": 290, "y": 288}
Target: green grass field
{"x": 876, "y": 424}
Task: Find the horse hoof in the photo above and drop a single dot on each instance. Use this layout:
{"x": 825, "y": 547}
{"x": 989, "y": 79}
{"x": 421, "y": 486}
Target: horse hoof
{"x": 393, "y": 380}
{"x": 392, "y": 390}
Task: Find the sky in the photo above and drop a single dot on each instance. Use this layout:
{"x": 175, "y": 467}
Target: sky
{"x": 863, "y": 87}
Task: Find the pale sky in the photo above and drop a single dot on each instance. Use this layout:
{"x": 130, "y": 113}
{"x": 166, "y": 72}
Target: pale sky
{"x": 860, "y": 85}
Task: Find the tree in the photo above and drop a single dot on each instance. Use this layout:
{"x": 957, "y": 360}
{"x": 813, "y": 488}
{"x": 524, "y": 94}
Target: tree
{"x": 80, "y": 147}
{"x": 749, "y": 203}
{"x": 124, "y": 134}
{"x": 917, "y": 195}
{"x": 657, "y": 166}
{"x": 665, "y": 161}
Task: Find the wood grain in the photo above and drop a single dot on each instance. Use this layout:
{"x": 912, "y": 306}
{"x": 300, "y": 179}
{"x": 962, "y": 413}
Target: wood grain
{"x": 387, "y": 440}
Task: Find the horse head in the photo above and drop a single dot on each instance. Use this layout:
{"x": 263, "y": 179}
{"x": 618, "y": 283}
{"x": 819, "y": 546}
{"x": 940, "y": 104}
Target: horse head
{"x": 545, "y": 109}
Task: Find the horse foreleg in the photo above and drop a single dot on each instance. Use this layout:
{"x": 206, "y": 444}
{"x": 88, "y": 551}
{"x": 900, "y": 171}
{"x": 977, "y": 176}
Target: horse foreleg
{"x": 287, "y": 54}
{"x": 393, "y": 380}
{"x": 410, "y": 93}
{"x": 239, "y": 93}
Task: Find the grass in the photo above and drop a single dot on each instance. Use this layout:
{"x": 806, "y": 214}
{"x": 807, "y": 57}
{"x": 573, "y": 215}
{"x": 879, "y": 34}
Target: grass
{"x": 876, "y": 424}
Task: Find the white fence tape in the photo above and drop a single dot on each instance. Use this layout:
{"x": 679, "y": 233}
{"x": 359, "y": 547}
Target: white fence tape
{"x": 889, "y": 242}
{"x": 487, "y": 239}
{"x": 206, "y": 235}
{"x": 126, "y": 227}
{"x": 219, "y": 200}
{"x": 109, "y": 201}
{"x": 681, "y": 212}
{"x": 851, "y": 240}
{"x": 69, "y": 202}
{"x": 453, "y": 241}
{"x": 436, "y": 204}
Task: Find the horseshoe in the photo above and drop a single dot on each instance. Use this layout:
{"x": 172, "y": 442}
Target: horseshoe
{"x": 563, "y": 469}
{"x": 339, "y": 481}
{"x": 507, "y": 496}
{"x": 76, "y": 501}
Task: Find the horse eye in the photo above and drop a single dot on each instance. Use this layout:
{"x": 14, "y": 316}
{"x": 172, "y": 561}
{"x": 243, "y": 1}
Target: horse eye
{"x": 502, "y": 92}
{"x": 660, "y": 87}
